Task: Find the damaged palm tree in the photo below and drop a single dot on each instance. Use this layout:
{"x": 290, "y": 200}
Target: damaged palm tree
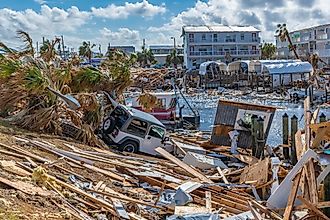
{"x": 148, "y": 101}
{"x": 35, "y": 91}
{"x": 283, "y": 34}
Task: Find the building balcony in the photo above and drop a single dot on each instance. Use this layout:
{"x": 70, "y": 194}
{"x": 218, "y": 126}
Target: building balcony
{"x": 324, "y": 53}
{"x": 224, "y": 53}
{"x": 225, "y": 42}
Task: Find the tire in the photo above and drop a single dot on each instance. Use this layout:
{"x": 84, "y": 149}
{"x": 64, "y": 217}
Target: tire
{"x": 108, "y": 125}
{"x": 295, "y": 96}
{"x": 129, "y": 146}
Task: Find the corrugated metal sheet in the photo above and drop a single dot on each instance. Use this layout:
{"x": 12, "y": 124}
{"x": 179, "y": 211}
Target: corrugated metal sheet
{"x": 225, "y": 121}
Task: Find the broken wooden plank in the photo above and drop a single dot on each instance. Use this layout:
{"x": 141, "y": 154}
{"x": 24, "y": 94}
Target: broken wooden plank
{"x": 313, "y": 208}
{"x": 222, "y": 175}
{"x": 258, "y": 171}
{"x": 292, "y": 197}
{"x": 312, "y": 182}
{"x": 26, "y": 187}
{"x": 190, "y": 170}
{"x": 208, "y": 200}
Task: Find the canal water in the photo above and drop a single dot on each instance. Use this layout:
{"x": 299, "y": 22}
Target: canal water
{"x": 207, "y": 106}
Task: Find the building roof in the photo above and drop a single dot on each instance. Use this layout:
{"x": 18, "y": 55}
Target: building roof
{"x": 145, "y": 116}
{"x": 283, "y": 66}
{"x": 219, "y": 28}
{"x": 310, "y": 28}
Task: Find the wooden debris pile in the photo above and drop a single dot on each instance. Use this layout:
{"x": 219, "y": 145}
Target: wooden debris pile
{"x": 152, "y": 79}
{"x": 43, "y": 177}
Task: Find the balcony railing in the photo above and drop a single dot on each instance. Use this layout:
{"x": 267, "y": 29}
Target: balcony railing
{"x": 223, "y": 53}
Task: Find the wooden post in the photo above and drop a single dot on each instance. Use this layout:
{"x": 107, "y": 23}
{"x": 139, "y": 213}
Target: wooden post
{"x": 326, "y": 191}
{"x": 294, "y": 129}
{"x": 323, "y": 118}
{"x": 254, "y": 119}
{"x": 260, "y": 138}
{"x": 285, "y": 136}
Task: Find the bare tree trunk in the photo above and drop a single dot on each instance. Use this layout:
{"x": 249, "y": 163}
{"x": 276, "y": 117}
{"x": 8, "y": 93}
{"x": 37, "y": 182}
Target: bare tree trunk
{"x": 291, "y": 45}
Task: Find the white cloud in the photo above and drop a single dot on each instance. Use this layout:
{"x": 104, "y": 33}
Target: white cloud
{"x": 263, "y": 14}
{"x": 48, "y": 22}
{"x": 40, "y": 1}
{"x": 124, "y": 36}
{"x": 144, "y": 9}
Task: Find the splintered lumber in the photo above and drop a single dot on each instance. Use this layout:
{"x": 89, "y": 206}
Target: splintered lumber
{"x": 186, "y": 167}
{"x": 312, "y": 207}
{"x": 208, "y": 200}
{"x": 222, "y": 175}
{"x": 24, "y": 153}
{"x": 292, "y": 197}
{"x": 299, "y": 145}
{"x": 255, "y": 213}
{"x": 97, "y": 201}
{"x": 76, "y": 161}
{"x": 272, "y": 214}
{"x": 125, "y": 198}
{"x": 256, "y": 172}
{"x": 11, "y": 167}
{"x": 312, "y": 182}
{"x": 26, "y": 187}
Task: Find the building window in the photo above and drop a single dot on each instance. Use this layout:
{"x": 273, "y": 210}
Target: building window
{"x": 215, "y": 38}
{"x": 191, "y": 37}
{"x": 242, "y": 36}
{"x": 203, "y": 37}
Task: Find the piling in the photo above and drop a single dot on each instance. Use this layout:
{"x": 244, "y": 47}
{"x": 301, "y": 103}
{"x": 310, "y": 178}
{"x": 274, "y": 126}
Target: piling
{"x": 285, "y": 136}
{"x": 260, "y": 138}
{"x": 294, "y": 129}
{"x": 327, "y": 193}
{"x": 254, "y": 126}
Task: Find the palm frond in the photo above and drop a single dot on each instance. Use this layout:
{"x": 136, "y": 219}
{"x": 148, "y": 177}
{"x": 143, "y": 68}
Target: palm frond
{"x": 5, "y": 48}
{"x": 25, "y": 37}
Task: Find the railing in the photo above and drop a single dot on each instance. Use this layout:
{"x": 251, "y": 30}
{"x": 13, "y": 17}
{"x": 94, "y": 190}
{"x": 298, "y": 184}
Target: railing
{"x": 223, "y": 53}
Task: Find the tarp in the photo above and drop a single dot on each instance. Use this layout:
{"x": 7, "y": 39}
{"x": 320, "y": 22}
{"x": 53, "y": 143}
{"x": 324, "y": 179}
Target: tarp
{"x": 238, "y": 65}
{"x": 280, "y": 66}
{"x": 203, "y": 66}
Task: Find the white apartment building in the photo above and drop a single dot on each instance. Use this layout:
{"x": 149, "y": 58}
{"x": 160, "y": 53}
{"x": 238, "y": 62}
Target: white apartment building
{"x": 162, "y": 51}
{"x": 126, "y": 49}
{"x": 219, "y": 42}
{"x": 308, "y": 41}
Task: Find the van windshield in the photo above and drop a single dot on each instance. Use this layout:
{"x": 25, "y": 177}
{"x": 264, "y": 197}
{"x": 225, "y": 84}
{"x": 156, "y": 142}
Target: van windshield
{"x": 120, "y": 116}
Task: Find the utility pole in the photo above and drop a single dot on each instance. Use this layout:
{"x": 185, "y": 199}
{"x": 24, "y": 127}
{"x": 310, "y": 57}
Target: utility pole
{"x": 37, "y": 49}
{"x": 63, "y": 47}
{"x": 143, "y": 44}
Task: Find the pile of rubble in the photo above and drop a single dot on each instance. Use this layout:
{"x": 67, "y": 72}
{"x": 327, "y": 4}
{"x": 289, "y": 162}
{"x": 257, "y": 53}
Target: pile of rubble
{"x": 153, "y": 79}
{"x": 44, "y": 177}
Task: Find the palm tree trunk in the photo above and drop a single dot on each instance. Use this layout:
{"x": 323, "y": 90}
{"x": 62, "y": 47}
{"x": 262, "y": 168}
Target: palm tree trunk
{"x": 291, "y": 45}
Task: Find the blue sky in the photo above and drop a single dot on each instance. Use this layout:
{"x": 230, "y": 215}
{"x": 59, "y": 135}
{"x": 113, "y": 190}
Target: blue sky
{"x": 128, "y": 22}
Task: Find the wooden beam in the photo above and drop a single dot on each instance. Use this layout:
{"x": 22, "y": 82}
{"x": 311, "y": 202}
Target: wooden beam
{"x": 193, "y": 172}
{"x": 312, "y": 184}
{"x": 313, "y": 208}
{"x": 292, "y": 197}
{"x": 222, "y": 175}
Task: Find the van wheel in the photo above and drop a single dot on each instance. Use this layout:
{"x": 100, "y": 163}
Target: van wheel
{"x": 129, "y": 146}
